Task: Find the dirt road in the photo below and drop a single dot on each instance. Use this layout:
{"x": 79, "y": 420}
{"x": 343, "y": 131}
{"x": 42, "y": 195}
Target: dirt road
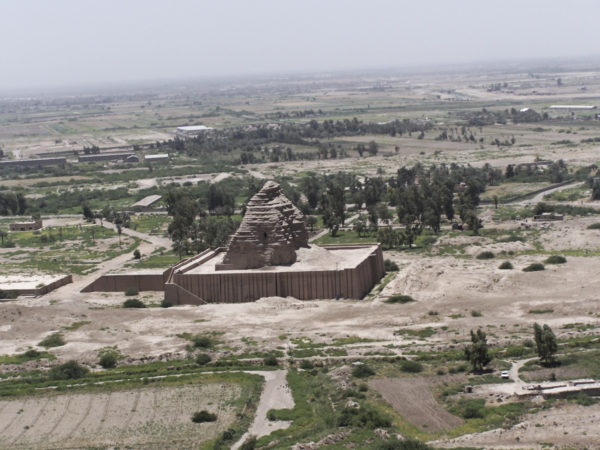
{"x": 276, "y": 394}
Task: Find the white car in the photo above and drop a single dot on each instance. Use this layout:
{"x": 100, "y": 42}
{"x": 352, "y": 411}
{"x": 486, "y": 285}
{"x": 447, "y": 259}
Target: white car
{"x": 504, "y": 374}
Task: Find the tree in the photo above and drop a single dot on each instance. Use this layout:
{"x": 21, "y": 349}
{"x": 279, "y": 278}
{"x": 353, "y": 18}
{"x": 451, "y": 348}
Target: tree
{"x": 372, "y": 148}
{"x": 360, "y": 224}
{"x": 545, "y": 342}
{"x": 596, "y": 190}
{"x": 3, "y": 234}
{"x": 477, "y": 352}
{"x": 87, "y": 213}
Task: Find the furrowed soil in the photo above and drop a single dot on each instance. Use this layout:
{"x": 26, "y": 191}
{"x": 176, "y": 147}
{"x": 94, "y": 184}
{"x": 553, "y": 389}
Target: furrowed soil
{"x": 148, "y": 417}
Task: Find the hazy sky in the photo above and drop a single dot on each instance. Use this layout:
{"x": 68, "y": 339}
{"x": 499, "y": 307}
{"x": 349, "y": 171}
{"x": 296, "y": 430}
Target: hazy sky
{"x": 67, "y": 42}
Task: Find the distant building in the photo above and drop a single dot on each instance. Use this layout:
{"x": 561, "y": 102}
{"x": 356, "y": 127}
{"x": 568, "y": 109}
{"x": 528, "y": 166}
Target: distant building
{"x": 157, "y": 157}
{"x": 192, "y": 130}
{"x": 573, "y": 107}
{"x": 40, "y": 162}
{"x": 30, "y": 225}
{"x": 106, "y": 157}
{"x": 146, "y": 203}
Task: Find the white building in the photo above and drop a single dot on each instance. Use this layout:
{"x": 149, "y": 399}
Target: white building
{"x": 192, "y": 130}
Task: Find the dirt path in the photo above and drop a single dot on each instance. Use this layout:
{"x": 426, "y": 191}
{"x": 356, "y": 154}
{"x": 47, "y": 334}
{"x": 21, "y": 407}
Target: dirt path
{"x": 276, "y": 394}
{"x": 539, "y": 197}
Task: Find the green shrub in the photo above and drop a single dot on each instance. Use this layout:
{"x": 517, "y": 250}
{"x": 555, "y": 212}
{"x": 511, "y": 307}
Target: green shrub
{"x": 390, "y": 266}
{"x": 594, "y": 226}
{"x": 362, "y": 387}
{"x": 362, "y": 371}
{"x": 109, "y": 360}
{"x": 53, "y": 340}
{"x": 68, "y": 371}
{"x": 534, "y": 267}
{"x": 249, "y": 444}
{"x": 203, "y": 359}
{"x": 364, "y": 417}
{"x": 133, "y": 303}
{"x": 506, "y": 265}
{"x": 32, "y": 354}
{"x": 137, "y": 254}
{"x": 404, "y": 444}
{"x": 486, "y": 255}
{"x": 555, "y": 259}
{"x": 204, "y": 416}
{"x": 410, "y": 366}
{"x": 202, "y": 341}
{"x": 130, "y": 292}
{"x": 476, "y": 313}
{"x": 306, "y": 364}
{"x": 166, "y": 303}
{"x": 270, "y": 360}
{"x": 399, "y": 298}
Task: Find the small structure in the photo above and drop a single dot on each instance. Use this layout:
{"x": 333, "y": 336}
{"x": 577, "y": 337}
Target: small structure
{"x": 132, "y": 159}
{"x": 573, "y": 107}
{"x": 32, "y": 284}
{"x": 106, "y": 157}
{"x": 40, "y": 162}
{"x": 146, "y": 203}
{"x": 547, "y": 216}
{"x": 30, "y": 225}
{"x": 192, "y": 130}
{"x": 157, "y": 157}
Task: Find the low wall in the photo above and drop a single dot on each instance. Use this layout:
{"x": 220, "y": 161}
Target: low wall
{"x": 239, "y": 287}
{"x": 122, "y": 282}
{"x": 46, "y": 288}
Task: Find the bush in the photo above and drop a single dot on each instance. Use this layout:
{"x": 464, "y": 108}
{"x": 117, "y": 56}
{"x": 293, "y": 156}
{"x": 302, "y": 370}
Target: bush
{"x": 202, "y": 341}
{"x": 53, "y": 340}
{"x": 131, "y": 292}
{"x": 249, "y": 444}
{"x": 485, "y": 255}
{"x": 410, "y": 366}
{"x": 362, "y": 371}
{"x": 137, "y": 254}
{"x": 32, "y": 354}
{"x": 365, "y": 417}
{"x": 67, "y": 371}
{"x": 390, "y": 266}
{"x": 476, "y": 313}
{"x": 109, "y": 360}
{"x": 404, "y": 444}
{"x": 594, "y": 226}
{"x": 534, "y": 267}
{"x": 270, "y": 360}
{"x": 306, "y": 364}
{"x": 204, "y": 416}
{"x": 133, "y": 303}
{"x": 506, "y": 265}
{"x": 555, "y": 259}
{"x": 399, "y": 298}
{"x": 166, "y": 303}
{"x": 203, "y": 359}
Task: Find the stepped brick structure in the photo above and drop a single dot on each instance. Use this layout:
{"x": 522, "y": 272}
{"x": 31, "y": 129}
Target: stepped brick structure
{"x": 268, "y": 256}
{"x": 270, "y": 233}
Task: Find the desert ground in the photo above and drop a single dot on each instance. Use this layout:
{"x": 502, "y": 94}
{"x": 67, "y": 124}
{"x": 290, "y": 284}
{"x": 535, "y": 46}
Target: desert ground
{"x": 305, "y": 397}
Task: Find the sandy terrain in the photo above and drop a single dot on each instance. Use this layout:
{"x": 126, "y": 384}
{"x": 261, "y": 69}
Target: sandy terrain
{"x": 136, "y": 417}
{"x": 571, "y": 425}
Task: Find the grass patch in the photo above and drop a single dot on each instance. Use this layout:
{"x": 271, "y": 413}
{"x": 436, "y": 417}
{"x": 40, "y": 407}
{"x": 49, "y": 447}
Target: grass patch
{"x": 555, "y": 259}
{"x": 400, "y": 298}
{"x": 76, "y": 325}
{"x": 486, "y": 255}
{"x": 53, "y": 340}
{"x": 422, "y": 333}
{"x": 541, "y": 311}
{"x": 594, "y": 226}
{"x": 29, "y": 355}
{"x": 534, "y": 267}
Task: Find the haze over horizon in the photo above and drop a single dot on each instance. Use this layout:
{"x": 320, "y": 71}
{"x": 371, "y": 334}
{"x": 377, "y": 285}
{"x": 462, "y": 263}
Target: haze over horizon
{"x": 66, "y": 42}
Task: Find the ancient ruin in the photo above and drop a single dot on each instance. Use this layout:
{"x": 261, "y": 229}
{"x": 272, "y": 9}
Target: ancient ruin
{"x": 268, "y": 256}
{"x": 270, "y": 233}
